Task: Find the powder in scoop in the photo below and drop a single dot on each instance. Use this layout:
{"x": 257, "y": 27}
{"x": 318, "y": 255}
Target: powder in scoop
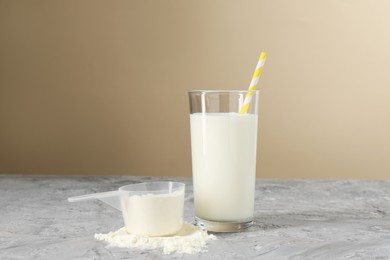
{"x": 190, "y": 240}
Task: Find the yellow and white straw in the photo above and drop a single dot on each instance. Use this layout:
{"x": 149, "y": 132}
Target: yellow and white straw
{"x": 253, "y": 85}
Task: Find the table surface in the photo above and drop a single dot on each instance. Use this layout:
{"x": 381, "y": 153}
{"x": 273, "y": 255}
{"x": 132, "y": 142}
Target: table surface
{"x": 294, "y": 219}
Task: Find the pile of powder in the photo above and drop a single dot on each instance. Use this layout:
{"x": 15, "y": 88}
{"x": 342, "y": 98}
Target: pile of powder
{"x": 190, "y": 240}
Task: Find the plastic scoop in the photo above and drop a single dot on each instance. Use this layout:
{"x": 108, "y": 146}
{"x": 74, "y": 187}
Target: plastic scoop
{"x": 148, "y": 208}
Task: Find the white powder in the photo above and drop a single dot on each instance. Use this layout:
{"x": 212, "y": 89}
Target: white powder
{"x": 190, "y": 240}
{"x": 153, "y": 215}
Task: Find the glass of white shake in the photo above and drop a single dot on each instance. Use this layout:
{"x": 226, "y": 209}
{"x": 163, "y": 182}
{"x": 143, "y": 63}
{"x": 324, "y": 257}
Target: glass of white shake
{"x": 223, "y": 144}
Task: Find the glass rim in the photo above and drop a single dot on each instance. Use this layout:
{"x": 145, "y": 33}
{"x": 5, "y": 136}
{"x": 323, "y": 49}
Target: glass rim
{"x": 223, "y": 91}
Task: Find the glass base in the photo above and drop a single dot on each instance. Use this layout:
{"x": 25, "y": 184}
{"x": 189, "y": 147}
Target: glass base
{"x": 223, "y": 226}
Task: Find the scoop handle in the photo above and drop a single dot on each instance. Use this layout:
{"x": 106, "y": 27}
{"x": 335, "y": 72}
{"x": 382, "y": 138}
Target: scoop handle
{"x": 109, "y": 197}
{"x": 93, "y": 196}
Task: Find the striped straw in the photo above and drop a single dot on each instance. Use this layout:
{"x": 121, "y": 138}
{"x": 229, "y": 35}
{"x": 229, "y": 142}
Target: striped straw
{"x": 253, "y": 85}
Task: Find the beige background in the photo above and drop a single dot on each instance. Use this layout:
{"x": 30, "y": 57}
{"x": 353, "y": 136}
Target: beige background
{"x": 100, "y": 87}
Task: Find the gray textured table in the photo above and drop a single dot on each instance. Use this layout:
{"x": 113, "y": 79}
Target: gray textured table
{"x": 304, "y": 219}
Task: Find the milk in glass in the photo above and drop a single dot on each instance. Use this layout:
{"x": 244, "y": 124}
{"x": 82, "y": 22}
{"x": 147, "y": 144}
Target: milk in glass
{"x": 224, "y": 165}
